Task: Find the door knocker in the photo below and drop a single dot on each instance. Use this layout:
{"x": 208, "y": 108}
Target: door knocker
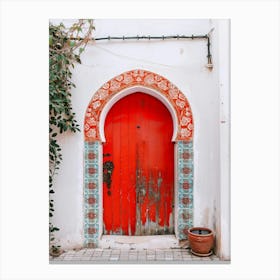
{"x": 108, "y": 168}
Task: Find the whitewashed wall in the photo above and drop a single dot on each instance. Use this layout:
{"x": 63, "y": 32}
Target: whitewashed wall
{"x": 183, "y": 63}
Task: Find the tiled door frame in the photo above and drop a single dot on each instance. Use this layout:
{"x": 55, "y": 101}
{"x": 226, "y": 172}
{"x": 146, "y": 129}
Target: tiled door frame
{"x": 179, "y": 108}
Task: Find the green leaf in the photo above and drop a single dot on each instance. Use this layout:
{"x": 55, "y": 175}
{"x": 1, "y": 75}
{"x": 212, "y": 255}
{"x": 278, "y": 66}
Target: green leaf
{"x": 62, "y": 59}
{"x": 50, "y": 40}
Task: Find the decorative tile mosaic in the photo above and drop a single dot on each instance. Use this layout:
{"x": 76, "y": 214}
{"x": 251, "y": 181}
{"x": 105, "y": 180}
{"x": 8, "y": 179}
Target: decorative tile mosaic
{"x": 91, "y": 194}
{"x": 185, "y": 187}
{"x": 146, "y": 79}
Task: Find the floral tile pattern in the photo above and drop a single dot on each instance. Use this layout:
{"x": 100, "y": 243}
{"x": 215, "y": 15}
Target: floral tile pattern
{"x": 91, "y": 194}
{"x": 185, "y": 187}
{"x": 146, "y": 79}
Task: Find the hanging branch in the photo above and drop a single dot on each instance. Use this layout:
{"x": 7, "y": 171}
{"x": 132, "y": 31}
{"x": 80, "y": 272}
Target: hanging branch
{"x": 63, "y": 54}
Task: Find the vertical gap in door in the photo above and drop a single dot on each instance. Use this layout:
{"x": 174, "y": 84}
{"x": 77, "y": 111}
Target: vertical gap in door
{"x": 132, "y": 169}
{"x": 127, "y": 170}
{"x": 152, "y": 153}
{"x": 134, "y": 124}
{"x": 132, "y": 160}
{"x": 158, "y": 183}
{"x": 140, "y": 145}
{"x": 146, "y": 138}
{"x": 121, "y": 185}
{"x": 115, "y": 159}
{"x": 125, "y": 199}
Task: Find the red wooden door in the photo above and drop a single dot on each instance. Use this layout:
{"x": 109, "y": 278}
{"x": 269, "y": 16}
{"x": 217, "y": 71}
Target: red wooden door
{"x": 138, "y": 168}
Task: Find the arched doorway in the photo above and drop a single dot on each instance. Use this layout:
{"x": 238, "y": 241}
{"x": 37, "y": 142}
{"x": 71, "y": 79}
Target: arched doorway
{"x": 138, "y": 168}
{"x": 182, "y": 119}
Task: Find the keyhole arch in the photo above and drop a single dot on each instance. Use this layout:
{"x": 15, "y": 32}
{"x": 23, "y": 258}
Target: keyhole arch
{"x": 95, "y": 115}
{"x": 146, "y": 81}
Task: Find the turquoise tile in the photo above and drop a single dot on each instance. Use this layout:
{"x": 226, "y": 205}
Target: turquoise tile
{"x": 91, "y": 192}
{"x": 185, "y": 186}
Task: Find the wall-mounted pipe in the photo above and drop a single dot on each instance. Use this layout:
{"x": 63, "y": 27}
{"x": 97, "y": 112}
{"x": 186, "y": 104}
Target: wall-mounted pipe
{"x": 209, "y": 64}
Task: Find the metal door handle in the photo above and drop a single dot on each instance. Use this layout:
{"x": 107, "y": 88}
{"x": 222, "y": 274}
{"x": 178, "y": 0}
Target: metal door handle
{"x": 108, "y": 168}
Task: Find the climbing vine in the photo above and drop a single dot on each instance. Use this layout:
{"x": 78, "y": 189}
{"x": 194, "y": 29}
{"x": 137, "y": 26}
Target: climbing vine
{"x": 65, "y": 47}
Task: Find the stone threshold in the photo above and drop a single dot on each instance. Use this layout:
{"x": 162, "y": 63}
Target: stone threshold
{"x": 139, "y": 242}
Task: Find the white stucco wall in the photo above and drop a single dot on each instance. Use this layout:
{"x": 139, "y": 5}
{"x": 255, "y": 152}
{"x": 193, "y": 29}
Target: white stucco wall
{"x": 183, "y": 63}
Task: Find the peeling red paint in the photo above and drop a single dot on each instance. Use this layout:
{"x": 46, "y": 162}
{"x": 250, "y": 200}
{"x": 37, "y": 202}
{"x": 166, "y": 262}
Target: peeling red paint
{"x": 138, "y": 132}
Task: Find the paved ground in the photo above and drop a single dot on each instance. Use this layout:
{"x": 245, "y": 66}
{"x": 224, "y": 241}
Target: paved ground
{"x": 146, "y": 256}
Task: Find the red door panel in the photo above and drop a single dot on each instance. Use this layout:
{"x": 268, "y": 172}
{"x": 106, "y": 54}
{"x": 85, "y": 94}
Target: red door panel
{"x": 138, "y": 168}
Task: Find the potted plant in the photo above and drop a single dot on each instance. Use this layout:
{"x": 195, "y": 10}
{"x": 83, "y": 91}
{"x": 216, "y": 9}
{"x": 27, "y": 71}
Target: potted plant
{"x": 201, "y": 241}
{"x": 55, "y": 251}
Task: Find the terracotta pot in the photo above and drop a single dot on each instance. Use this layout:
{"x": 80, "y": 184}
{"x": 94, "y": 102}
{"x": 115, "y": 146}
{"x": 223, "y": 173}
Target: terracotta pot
{"x": 201, "y": 240}
{"x": 55, "y": 253}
